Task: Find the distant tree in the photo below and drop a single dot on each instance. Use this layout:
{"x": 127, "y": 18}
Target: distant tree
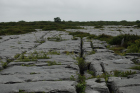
{"x": 57, "y": 19}
{"x": 21, "y": 21}
{"x": 138, "y": 21}
{"x": 123, "y": 21}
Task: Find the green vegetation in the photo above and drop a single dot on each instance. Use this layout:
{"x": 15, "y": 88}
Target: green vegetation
{"x": 16, "y": 56}
{"x": 22, "y": 27}
{"x": 98, "y": 26}
{"x": 121, "y": 42}
{"x": 91, "y": 52}
{"x": 79, "y": 34}
{"x": 74, "y": 38}
{"x": 0, "y": 37}
{"x": 134, "y": 47}
{"x": 57, "y": 19}
{"x": 72, "y": 78}
{"x": 80, "y": 87}
{"x": 68, "y": 53}
{"x": 50, "y": 63}
{"x": 32, "y": 56}
{"x": 4, "y": 64}
{"x": 114, "y": 73}
{"x": 55, "y": 38}
{"x": 102, "y": 37}
{"x": 128, "y": 39}
{"x": 53, "y": 52}
{"x": 19, "y": 42}
{"x": 135, "y": 67}
{"x": 90, "y": 72}
{"x": 28, "y": 65}
{"x": 33, "y": 73}
{"x": 117, "y": 50}
{"x": 81, "y": 65}
{"x": 42, "y": 40}
{"x": 123, "y": 74}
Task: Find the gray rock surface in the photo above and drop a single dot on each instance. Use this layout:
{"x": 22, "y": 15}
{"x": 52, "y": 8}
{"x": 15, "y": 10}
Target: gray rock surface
{"x": 94, "y": 87}
{"x": 40, "y": 76}
{"x": 41, "y": 86}
{"x": 126, "y": 85}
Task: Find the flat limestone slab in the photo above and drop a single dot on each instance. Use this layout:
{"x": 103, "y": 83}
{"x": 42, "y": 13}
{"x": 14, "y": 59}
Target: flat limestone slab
{"x": 94, "y": 87}
{"x": 126, "y": 85}
{"x": 41, "y": 86}
{"x": 18, "y": 74}
{"x": 131, "y": 89}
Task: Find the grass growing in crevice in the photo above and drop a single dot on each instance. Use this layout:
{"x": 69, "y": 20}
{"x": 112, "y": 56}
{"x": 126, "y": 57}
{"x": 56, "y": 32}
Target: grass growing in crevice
{"x": 53, "y": 52}
{"x": 24, "y": 58}
{"x": 135, "y": 67}
{"x": 117, "y": 50}
{"x": 69, "y": 52}
{"x": 123, "y": 74}
{"x": 50, "y": 63}
{"x": 80, "y": 87}
{"x": 74, "y": 38}
{"x": 79, "y": 34}
{"x": 33, "y": 56}
{"x": 4, "y": 64}
{"x": 91, "y": 52}
{"x": 55, "y": 38}
{"x": 99, "y": 26}
{"x": 28, "y": 65}
{"x": 72, "y": 78}
{"x": 16, "y": 56}
{"x": 31, "y": 73}
{"x": 41, "y": 40}
{"x": 114, "y": 73}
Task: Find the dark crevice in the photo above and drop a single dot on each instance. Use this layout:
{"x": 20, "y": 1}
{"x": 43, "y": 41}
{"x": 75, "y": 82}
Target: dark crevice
{"x": 107, "y": 83}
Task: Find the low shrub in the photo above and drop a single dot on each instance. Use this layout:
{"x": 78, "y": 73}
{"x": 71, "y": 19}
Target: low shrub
{"x": 79, "y": 34}
{"x": 98, "y": 26}
{"x": 80, "y": 87}
{"x": 135, "y": 67}
{"x": 123, "y": 74}
{"x": 81, "y": 65}
{"x": 134, "y": 47}
{"x": 4, "y": 64}
{"x": 128, "y": 39}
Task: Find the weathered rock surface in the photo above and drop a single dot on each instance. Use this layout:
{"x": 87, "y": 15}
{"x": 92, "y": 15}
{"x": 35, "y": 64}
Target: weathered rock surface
{"x": 92, "y": 86}
{"x": 41, "y": 86}
{"x": 39, "y": 76}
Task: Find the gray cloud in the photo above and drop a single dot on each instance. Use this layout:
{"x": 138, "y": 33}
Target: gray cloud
{"x": 75, "y": 10}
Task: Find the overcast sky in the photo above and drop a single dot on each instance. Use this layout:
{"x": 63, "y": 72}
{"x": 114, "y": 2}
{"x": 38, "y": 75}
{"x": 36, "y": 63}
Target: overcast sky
{"x": 74, "y": 10}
